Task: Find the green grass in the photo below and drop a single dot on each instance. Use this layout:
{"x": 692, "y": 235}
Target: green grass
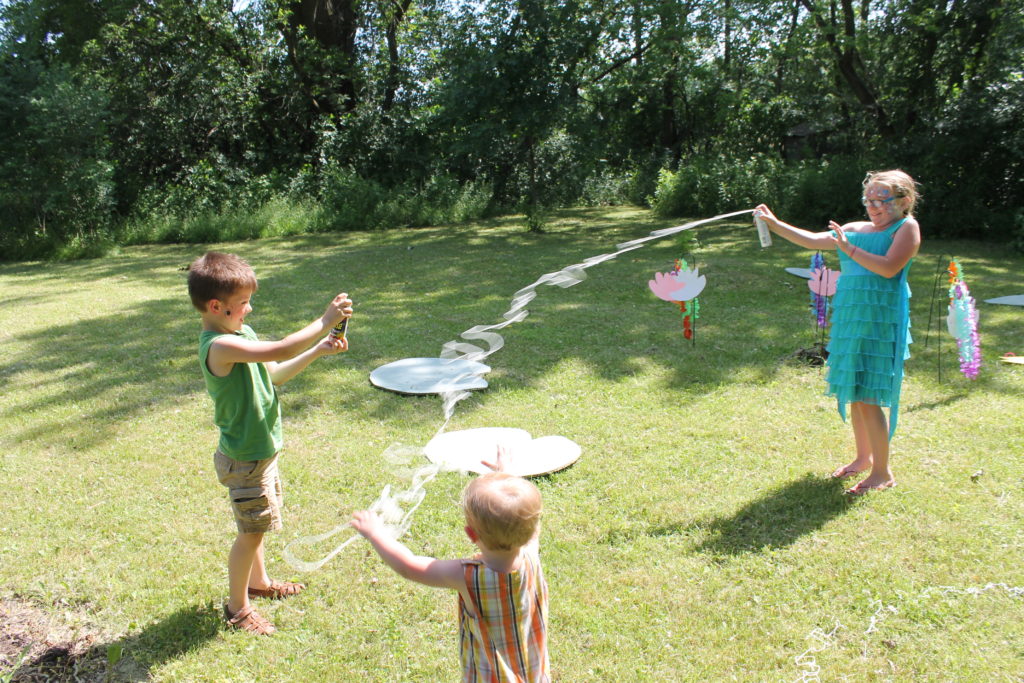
{"x": 697, "y": 538}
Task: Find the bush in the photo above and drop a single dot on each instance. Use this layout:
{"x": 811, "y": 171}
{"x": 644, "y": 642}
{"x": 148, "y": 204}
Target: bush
{"x": 211, "y": 185}
{"x": 716, "y": 185}
{"x": 278, "y": 217}
{"x": 607, "y": 188}
{"x": 806, "y": 192}
{"x": 56, "y": 181}
{"x": 814, "y": 192}
{"x": 351, "y": 202}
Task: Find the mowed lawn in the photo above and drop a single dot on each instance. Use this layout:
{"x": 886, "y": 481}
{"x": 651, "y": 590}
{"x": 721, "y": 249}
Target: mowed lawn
{"x": 698, "y": 538}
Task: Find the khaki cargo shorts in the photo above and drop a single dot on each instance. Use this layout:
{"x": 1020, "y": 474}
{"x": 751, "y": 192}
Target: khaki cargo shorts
{"x": 254, "y": 488}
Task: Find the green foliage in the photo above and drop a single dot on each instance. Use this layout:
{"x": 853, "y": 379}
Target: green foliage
{"x": 351, "y": 202}
{"x": 807, "y": 192}
{"x": 717, "y": 185}
{"x": 56, "y": 182}
{"x": 278, "y": 217}
{"x": 411, "y": 113}
{"x": 814, "y": 192}
{"x": 607, "y": 187}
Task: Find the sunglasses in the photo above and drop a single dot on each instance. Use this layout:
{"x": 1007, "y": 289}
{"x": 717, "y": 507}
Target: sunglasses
{"x": 875, "y": 203}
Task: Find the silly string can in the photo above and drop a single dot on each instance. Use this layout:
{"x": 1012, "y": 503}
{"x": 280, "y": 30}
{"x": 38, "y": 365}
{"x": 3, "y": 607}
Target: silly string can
{"x": 763, "y": 233}
{"x": 339, "y": 330}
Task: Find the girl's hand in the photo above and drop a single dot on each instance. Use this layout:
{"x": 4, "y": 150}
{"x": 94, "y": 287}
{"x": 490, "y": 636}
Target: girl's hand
{"x": 762, "y": 211}
{"x": 841, "y": 241}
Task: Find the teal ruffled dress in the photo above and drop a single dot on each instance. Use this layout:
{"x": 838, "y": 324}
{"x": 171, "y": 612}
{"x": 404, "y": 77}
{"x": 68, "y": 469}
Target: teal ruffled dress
{"x": 870, "y": 336}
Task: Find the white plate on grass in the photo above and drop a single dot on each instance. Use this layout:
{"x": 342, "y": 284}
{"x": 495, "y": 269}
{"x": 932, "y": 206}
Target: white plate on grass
{"x": 1012, "y": 300}
{"x": 527, "y": 457}
{"x": 430, "y": 375}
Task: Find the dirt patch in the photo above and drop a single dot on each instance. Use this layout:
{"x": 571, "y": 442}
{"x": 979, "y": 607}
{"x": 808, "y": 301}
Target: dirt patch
{"x": 815, "y": 355}
{"x": 38, "y": 645}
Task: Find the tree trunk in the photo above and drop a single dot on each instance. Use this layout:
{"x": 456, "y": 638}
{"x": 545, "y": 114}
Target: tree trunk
{"x": 393, "y": 19}
{"x": 333, "y": 24}
{"x": 848, "y": 61}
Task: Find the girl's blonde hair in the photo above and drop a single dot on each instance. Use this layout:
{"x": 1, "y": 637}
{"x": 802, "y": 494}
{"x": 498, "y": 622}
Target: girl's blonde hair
{"x": 901, "y": 184}
{"x": 503, "y": 510}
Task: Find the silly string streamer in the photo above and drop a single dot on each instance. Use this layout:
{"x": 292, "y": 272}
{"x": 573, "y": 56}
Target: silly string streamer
{"x": 396, "y": 509}
{"x": 822, "y": 640}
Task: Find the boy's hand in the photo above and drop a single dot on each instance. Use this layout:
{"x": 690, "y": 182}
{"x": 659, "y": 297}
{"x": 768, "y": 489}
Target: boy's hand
{"x": 330, "y": 345}
{"x": 340, "y": 307}
{"x": 500, "y": 463}
{"x": 367, "y": 523}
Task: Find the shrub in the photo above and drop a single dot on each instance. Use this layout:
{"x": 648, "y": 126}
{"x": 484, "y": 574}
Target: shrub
{"x": 607, "y": 187}
{"x": 56, "y": 181}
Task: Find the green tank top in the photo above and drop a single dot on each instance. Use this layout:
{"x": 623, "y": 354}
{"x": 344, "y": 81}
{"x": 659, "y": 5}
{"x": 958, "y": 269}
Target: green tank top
{"x": 245, "y": 405}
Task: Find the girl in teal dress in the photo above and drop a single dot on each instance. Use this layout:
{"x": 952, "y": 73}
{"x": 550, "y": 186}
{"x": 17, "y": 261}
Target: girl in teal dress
{"x": 871, "y": 320}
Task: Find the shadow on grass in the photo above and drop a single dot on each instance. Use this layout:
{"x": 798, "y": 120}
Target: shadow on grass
{"x": 776, "y": 520}
{"x": 130, "y": 658}
{"x": 180, "y": 632}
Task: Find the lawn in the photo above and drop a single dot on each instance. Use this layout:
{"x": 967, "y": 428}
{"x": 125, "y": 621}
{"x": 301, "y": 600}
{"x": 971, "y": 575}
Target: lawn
{"x": 698, "y": 538}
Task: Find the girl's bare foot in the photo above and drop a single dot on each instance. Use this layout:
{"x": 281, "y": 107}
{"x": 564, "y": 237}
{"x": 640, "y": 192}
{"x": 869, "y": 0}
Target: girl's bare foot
{"x": 871, "y": 484}
{"x": 855, "y": 467}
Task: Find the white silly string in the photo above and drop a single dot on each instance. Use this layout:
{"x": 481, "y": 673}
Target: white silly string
{"x": 396, "y": 509}
{"x": 822, "y": 640}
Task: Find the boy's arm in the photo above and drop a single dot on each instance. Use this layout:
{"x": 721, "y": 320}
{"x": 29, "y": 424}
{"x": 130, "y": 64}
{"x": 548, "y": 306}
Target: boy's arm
{"x": 284, "y": 371}
{"x": 425, "y": 570}
{"x": 229, "y": 349}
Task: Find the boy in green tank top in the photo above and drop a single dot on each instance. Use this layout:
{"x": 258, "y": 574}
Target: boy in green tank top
{"x": 241, "y": 374}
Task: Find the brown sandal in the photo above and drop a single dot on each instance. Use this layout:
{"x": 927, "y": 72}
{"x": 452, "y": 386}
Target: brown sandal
{"x": 248, "y": 619}
{"x": 277, "y": 590}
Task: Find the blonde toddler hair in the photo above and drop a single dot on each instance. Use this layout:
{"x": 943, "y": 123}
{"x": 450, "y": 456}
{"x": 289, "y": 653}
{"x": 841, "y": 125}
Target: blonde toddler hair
{"x": 502, "y": 509}
{"x": 901, "y": 184}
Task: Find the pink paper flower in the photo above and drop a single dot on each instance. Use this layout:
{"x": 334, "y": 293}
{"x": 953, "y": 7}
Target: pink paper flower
{"x": 681, "y": 285}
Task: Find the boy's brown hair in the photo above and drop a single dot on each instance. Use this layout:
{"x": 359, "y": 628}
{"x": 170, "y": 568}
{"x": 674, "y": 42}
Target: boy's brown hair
{"x": 503, "y": 510}
{"x": 215, "y": 275}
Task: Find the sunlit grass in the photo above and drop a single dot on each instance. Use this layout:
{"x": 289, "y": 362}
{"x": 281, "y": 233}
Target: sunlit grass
{"x": 696, "y": 539}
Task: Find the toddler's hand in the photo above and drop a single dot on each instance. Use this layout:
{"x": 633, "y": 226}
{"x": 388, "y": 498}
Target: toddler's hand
{"x": 500, "y": 462}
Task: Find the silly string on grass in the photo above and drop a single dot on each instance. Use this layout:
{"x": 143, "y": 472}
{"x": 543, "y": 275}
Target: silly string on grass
{"x": 822, "y": 640}
{"x": 963, "y": 322}
{"x": 396, "y": 509}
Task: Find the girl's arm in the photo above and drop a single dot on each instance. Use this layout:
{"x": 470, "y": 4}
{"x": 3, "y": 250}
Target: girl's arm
{"x": 903, "y": 248}
{"x": 804, "y": 238}
{"x": 426, "y": 570}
